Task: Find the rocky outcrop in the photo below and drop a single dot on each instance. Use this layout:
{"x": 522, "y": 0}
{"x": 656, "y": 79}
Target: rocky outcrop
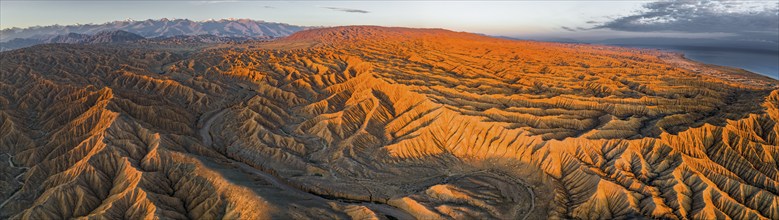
{"x": 74, "y": 38}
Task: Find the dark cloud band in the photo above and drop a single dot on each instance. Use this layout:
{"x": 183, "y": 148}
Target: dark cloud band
{"x": 703, "y": 16}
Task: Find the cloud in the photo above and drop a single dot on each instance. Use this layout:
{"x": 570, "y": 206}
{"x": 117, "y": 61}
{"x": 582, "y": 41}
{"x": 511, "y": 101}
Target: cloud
{"x": 567, "y": 28}
{"x": 748, "y": 19}
{"x": 348, "y": 10}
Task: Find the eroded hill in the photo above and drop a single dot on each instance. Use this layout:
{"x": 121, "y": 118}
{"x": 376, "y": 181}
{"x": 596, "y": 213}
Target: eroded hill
{"x": 377, "y": 123}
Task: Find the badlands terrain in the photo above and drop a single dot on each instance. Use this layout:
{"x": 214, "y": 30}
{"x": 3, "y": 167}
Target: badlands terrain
{"x": 382, "y": 123}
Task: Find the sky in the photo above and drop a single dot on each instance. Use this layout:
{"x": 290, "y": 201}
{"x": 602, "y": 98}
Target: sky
{"x": 584, "y": 20}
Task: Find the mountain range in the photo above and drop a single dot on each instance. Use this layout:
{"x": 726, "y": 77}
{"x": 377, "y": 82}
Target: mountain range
{"x": 119, "y": 36}
{"x": 160, "y": 28}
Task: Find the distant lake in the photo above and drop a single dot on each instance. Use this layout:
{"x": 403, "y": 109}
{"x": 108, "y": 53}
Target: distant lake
{"x": 764, "y": 62}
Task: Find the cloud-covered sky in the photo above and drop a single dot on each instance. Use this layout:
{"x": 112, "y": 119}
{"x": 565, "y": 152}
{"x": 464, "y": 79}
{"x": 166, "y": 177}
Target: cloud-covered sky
{"x": 744, "y": 20}
{"x": 582, "y": 20}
